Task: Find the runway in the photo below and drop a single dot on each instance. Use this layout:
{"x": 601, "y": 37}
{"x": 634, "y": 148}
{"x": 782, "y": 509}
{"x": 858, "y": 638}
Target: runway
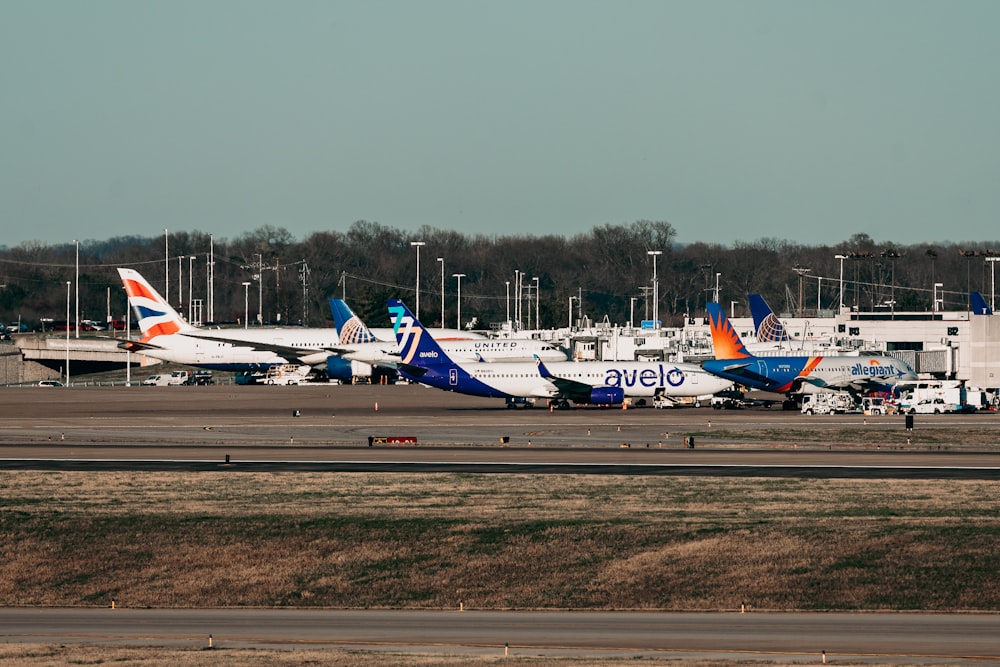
{"x": 788, "y": 637}
{"x": 192, "y": 429}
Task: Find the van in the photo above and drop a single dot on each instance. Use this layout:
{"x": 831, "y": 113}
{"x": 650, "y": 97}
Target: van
{"x": 156, "y": 381}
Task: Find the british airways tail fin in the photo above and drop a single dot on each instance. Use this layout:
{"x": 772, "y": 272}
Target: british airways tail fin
{"x": 978, "y": 304}
{"x": 154, "y": 315}
{"x": 726, "y": 342}
{"x": 767, "y": 325}
{"x": 416, "y": 345}
{"x": 349, "y": 326}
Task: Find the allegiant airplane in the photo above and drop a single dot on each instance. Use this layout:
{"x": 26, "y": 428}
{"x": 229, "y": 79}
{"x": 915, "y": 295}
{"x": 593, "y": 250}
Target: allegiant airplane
{"x": 584, "y": 382}
{"x": 788, "y": 374}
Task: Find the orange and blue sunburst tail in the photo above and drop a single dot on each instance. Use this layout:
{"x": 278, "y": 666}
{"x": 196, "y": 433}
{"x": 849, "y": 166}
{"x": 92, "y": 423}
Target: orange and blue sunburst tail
{"x": 726, "y": 342}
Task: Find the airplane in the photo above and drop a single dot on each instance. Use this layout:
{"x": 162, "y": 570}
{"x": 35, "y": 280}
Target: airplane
{"x": 978, "y": 304}
{"x": 166, "y": 336}
{"x": 358, "y": 343}
{"x": 792, "y": 375}
{"x": 424, "y": 361}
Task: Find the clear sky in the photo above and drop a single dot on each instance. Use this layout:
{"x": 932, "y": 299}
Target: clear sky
{"x": 734, "y": 120}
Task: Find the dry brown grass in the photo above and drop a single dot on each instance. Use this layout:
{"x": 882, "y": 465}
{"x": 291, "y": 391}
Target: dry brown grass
{"x": 496, "y": 541}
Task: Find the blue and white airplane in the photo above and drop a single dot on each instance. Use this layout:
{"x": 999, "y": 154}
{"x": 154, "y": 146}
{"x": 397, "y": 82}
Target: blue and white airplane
{"x": 789, "y": 374}
{"x": 583, "y": 382}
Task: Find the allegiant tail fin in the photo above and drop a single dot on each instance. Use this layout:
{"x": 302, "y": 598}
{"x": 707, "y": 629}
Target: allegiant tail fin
{"x": 350, "y": 327}
{"x": 766, "y": 324}
{"x": 726, "y": 342}
{"x": 154, "y": 315}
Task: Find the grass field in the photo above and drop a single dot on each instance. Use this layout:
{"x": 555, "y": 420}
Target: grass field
{"x": 497, "y": 541}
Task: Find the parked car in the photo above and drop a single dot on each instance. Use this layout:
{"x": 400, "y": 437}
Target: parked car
{"x": 49, "y": 383}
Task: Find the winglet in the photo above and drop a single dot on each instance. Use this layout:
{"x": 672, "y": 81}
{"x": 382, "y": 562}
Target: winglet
{"x": 726, "y": 342}
{"x": 542, "y": 370}
{"x": 154, "y": 315}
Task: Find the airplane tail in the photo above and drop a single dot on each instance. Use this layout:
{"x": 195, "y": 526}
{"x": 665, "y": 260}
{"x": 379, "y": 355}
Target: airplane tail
{"x": 350, "y": 327}
{"x": 978, "y": 304}
{"x": 767, "y": 325}
{"x": 154, "y": 315}
{"x": 726, "y": 342}
{"x": 417, "y": 347}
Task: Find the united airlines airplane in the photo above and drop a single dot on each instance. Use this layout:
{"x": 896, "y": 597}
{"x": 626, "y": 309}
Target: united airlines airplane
{"x": 583, "y": 382}
{"x": 788, "y": 374}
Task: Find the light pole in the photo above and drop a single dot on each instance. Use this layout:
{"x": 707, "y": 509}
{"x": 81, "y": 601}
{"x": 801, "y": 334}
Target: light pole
{"x": 128, "y": 345}
{"x": 459, "y": 277}
{"x": 76, "y": 281}
{"x": 507, "y": 283}
{"x": 190, "y": 285}
{"x": 819, "y": 293}
{"x": 656, "y": 289}
{"x": 841, "y": 258}
{"x": 246, "y": 303}
{"x": 67, "y": 333}
{"x": 537, "y": 326}
{"x": 993, "y": 275}
{"x": 801, "y": 270}
{"x": 936, "y": 285}
{"x": 717, "y": 287}
{"x": 517, "y": 297}
{"x": 417, "y": 244}
{"x": 441, "y": 259}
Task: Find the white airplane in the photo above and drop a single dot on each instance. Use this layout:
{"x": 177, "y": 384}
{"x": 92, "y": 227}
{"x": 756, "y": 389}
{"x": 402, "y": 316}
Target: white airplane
{"x": 423, "y": 360}
{"x": 166, "y": 336}
{"x": 366, "y": 347}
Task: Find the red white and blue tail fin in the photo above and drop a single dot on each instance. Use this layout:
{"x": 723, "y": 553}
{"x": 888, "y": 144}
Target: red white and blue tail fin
{"x": 153, "y": 314}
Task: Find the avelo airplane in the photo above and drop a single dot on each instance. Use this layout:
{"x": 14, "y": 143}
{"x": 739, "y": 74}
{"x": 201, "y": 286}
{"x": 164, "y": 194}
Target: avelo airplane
{"x": 584, "y": 382}
{"x": 789, "y": 374}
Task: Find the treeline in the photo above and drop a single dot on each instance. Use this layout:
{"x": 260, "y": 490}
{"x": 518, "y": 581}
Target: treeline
{"x": 606, "y": 273}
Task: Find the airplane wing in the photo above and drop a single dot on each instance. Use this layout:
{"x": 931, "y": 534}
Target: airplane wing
{"x": 137, "y": 346}
{"x": 288, "y": 352}
{"x": 579, "y": 392}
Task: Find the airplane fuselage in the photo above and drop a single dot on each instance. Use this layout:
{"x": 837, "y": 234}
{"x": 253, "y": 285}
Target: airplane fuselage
{"x": 789, "y": 374}
{"x": 518, "y": 379}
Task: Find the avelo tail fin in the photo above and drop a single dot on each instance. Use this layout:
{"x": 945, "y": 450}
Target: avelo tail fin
{"x": 416, "y": 345}
{"x": 726, "y": 342}
{"x": 154, "y": 315}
